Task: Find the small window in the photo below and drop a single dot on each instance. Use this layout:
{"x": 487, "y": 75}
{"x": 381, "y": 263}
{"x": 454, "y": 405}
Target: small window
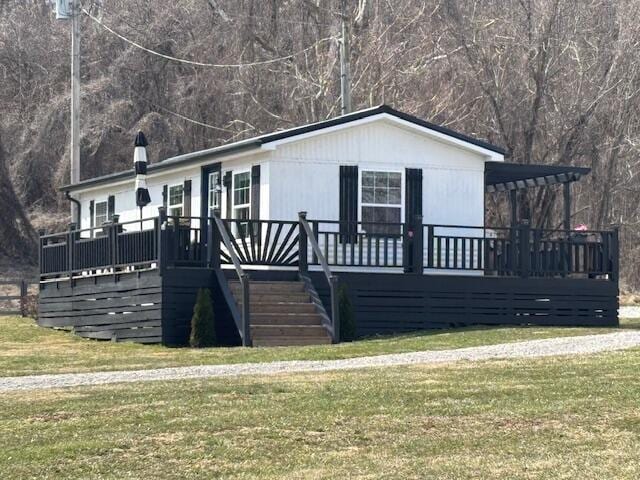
{"x": 242, "y": 200}
{"x": 214, "y": 192}
{"x": 101, "y": 213}
{"x": 381, "y": 202}
{"x": 176, "y": 200}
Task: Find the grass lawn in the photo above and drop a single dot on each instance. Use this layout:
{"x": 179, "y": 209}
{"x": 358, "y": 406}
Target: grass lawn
{"x": 547, "y": 418}
{"x": 26, "y": 349}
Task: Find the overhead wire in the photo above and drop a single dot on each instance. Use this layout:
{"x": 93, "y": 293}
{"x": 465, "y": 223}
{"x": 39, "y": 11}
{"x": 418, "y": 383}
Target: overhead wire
{"x": 204, "y": 64}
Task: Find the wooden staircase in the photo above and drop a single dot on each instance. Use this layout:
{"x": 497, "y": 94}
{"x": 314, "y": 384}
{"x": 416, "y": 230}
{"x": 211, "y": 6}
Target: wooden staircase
{"x": 282, "y": 313}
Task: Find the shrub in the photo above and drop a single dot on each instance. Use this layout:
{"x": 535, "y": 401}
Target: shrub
{"x": 347, "y": 318}
{"x": 203, "y": 331}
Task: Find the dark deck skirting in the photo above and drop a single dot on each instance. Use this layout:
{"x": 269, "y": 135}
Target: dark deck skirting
{"x": 384, "y": 303}
{"x": 387, "y": 303}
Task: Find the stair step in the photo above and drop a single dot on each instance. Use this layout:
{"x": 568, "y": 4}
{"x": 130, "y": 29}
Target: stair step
{"x": 290, "y": 341}
{"x": 282, "y": 307}
{"x": 262, "y": 331}
{"x": 291, "y": 319}
{"x": 255, "y": 298}
{"x": 269, "y": 287}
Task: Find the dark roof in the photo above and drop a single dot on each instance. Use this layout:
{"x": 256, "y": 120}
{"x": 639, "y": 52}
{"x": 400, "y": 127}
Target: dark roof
{"x": 501, "y": 176}
{"x": 256, "y": 142}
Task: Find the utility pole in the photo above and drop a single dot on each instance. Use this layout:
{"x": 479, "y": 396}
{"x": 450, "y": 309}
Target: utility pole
{"x": 75, "y": 100}
{"x": 345, "y": 66}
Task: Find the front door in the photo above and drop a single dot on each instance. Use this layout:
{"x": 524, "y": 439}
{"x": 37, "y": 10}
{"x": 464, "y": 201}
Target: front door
{"x": 211, "y": 192}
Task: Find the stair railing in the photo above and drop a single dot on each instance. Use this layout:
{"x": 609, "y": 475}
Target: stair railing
{"x": 307, "y": 236}
{"x": 245, "y": 325}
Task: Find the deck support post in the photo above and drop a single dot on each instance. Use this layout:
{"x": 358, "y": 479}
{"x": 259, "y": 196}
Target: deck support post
{"x": 246, "y": 309}
{"x": 418, "y": 245}
{"x": 524, "y": 247}
{"x": 303, "y": 244}
{"x": 335, "y": 308}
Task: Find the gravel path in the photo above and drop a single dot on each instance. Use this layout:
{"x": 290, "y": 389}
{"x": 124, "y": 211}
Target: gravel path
{"x": 533, "y": 348}
{"x": 629, "y": 312}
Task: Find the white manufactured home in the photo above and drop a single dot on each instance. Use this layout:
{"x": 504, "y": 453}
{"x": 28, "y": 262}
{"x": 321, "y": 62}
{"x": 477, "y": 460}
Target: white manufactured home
{"x": 383, "y": 165}
{"x": 374, "y": 206}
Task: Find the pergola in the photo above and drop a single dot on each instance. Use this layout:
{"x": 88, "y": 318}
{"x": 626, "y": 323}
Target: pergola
{"x": 511, "y": 177}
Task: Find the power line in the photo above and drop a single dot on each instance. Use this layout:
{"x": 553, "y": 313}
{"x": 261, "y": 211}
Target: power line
{"x": 179, "y": 115}
{"x": 202, "y": 64}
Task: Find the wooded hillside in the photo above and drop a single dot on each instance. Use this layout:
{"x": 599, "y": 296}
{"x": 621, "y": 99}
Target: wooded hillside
{"x": 553, "y": 81}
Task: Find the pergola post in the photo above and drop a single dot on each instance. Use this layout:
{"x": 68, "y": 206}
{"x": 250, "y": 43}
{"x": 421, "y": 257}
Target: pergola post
{"x": 513, "y": 198}
{"x": 567, "y": 205}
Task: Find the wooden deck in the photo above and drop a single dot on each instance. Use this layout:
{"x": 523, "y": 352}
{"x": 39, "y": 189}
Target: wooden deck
{"x": 138, "y": 281}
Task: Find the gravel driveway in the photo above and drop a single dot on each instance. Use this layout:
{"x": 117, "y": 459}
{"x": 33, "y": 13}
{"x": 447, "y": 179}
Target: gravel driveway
{"x": 533, "y": 348}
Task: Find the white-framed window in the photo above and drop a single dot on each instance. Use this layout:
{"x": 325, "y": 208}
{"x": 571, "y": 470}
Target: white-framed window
{"x": 242, "y": 199}
{"x": 176, "y": 200}
{"x": 381, "y": 202}
{"x": 100, "y": 213}
{"x": 213, "y": 192}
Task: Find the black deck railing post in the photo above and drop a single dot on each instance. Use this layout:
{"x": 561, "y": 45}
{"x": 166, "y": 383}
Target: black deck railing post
{"x": 430, "y": 238}
{"x": 524, "y": 247}
{"x": 70, "y": 250}
{"x": 213, "y": 243}
{"x": 303, "y": 244}
{"x": 614, "y": 250}
{"x": 41, "y": 242}
{"x": 418, "y": 245}
{"x": 512, "y": 265}
{"x": 159, "y": 225}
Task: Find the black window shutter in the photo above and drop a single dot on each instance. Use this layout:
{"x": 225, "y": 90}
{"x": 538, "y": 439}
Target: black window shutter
{"x": 92, "y": 218}
{"x": 186, "y": 208}
{"x": 413, "y": 194}
{"x": 111, "y": 207}
{"x": 348, "y": 203}
{"x": 165, "y": 195}
{"x": 226, "y": 181}
{"x": 255, "y": 192}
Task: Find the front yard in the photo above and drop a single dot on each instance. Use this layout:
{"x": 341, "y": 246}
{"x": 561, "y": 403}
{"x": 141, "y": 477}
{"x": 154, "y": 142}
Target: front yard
{"x": 26, "y": 349}
{"x": 546, "y": 418}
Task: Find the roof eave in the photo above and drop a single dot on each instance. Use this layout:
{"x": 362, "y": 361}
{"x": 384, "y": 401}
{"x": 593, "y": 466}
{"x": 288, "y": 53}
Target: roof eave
{"x": 180, "y": 160}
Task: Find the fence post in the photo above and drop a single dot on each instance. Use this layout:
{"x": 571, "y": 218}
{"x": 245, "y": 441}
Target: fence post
{"x": 23, "y": 298}
{"x": 524, "y": 247}
{"x": 303, "y": 245}
{"x": 418, "y": 245}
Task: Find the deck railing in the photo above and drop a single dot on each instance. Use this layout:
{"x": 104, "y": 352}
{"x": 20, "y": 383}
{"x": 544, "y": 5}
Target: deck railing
{"x": 170, "y": 241}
